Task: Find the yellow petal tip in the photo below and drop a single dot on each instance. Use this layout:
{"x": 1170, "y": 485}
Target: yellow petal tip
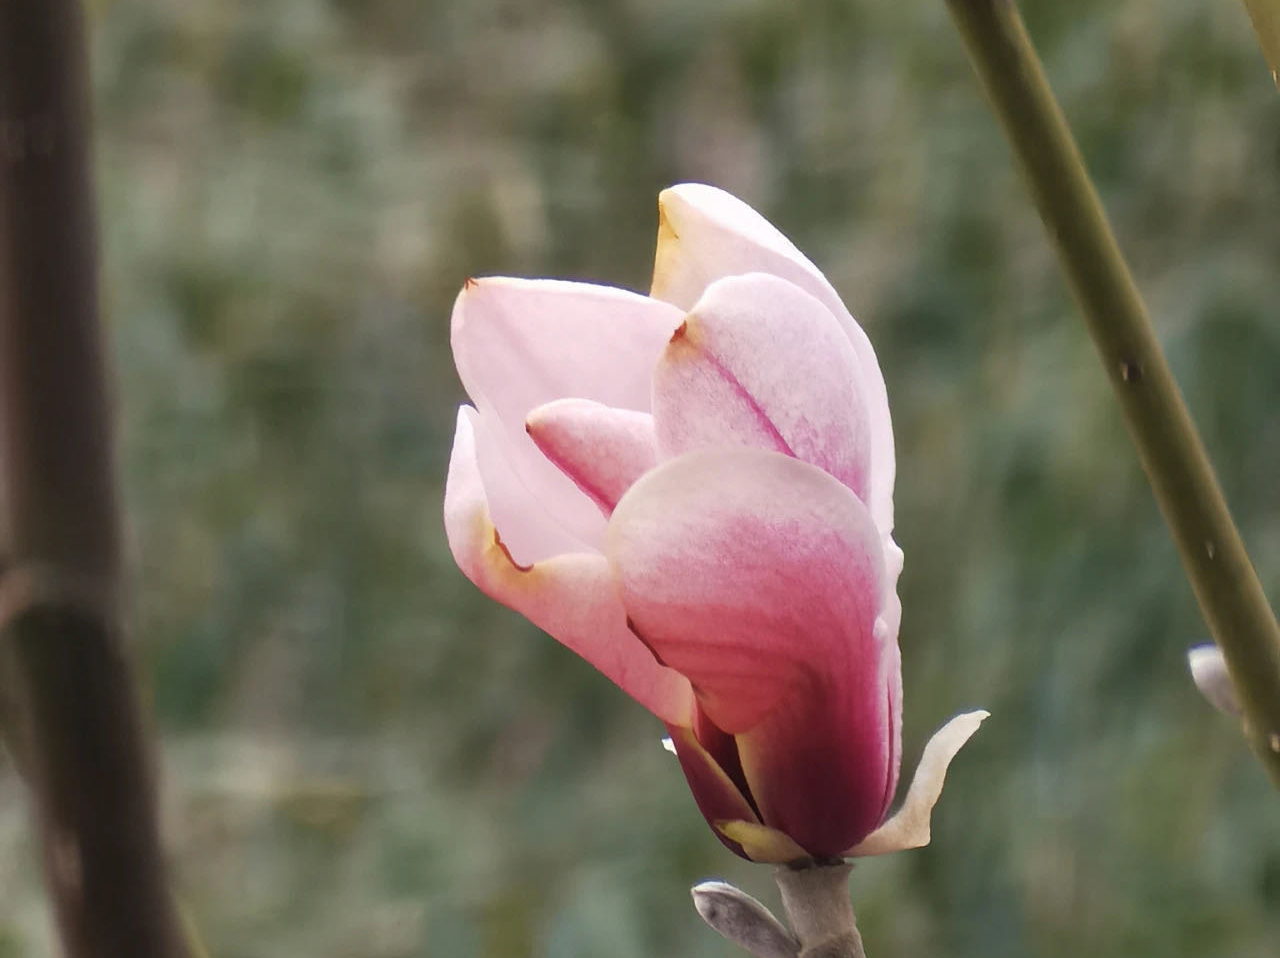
{"x": 761, "y": 843}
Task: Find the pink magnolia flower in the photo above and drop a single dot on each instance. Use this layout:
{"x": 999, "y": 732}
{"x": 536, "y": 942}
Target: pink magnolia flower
{"x": 693, "y": 490}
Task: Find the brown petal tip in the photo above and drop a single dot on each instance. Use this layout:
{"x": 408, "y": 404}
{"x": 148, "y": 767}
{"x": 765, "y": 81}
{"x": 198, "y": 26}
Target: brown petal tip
{"x": 631, "y": 625}
{"x": 497, "y": 541}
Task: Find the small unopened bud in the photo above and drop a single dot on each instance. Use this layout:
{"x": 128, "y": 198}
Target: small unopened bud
{"x": 1209, "y": 672}
{"x": 743, "y": 920}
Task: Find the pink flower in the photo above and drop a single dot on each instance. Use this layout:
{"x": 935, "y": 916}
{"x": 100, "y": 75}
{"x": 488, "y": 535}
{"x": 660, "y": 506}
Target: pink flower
{"x": 693, "y": 490}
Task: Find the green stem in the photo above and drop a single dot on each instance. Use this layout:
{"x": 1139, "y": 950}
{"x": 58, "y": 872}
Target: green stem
{"x": 1213, "y": 554}
{"x": 1265, "y": 15}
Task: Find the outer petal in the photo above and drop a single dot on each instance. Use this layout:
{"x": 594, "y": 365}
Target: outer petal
{"x": 571, "y": 596}
{"x": 528, "y": 531}
{"x": 602, "y": 449}
{"x": 760, "y": 577}
{"x": 705, "y": 234}
{"x": 909, "y": 827}
{"x": 760, "y": 362}
{"x": 521, "y": 343}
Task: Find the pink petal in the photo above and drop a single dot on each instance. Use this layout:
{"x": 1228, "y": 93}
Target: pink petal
{"x": 760, "y": 578}
{"x": 893, "y": 568}
{"x": 528, "y": 531}
{"x": 760, "y": 362}
{"x": 602, "y": 449}
{"x": 910, "y": 825}
{"x": 521, "y": 343}
{"x": 571, "y": 596}
{"x": 705, "y": 234}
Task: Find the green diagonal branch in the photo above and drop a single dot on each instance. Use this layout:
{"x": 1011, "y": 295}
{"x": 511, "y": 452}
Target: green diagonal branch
{"x": 1265, "y": 15}
{"x": 1213, "y": 554}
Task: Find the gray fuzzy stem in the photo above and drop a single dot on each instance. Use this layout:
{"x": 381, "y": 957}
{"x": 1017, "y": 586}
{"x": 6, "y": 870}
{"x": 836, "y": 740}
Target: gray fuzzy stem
{"x": 816, "y": 899}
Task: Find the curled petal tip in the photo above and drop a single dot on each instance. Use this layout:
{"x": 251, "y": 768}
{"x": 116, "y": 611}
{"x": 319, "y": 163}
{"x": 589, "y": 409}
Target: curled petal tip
{"x": 909, "y": 826}
{"x": 743, "y": 920}
{"x": 601, "y": 449}
{"x": 1209, "y": 672}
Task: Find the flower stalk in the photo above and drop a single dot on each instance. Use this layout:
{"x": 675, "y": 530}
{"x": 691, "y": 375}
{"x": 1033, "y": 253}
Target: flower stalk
{"x": 1213, "y": 554}
{"x": 816, "y": 898}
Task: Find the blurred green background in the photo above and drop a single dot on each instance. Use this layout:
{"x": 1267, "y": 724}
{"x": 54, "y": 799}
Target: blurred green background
{"x": 364, "y": 758}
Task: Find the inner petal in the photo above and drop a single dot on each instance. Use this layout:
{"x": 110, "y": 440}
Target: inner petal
{"x": 602, "y": 449}
{"x": 724, "y": 749}
{"x": 528, "y": 532}
{"x": 521, "y": 343}
{"x": 706, "y": 234}
{"x": 760, "y": 362}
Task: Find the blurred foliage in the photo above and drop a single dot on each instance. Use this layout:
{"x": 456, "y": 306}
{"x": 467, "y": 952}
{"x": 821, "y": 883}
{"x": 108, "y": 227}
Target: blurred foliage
{"x": 366, "y": 758}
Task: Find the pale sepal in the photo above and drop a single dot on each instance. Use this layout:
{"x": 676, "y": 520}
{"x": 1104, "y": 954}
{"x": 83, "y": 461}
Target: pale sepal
{"x": 908, "y": 827}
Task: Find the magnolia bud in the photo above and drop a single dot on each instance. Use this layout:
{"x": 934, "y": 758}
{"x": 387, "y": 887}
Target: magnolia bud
{"x": 1209, "y": 672}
